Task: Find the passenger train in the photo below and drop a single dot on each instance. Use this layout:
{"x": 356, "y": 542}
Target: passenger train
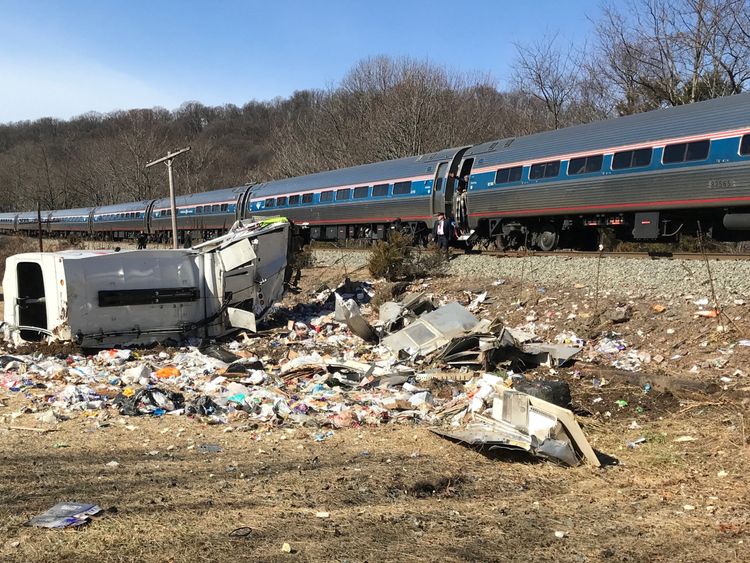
{"x": 649, "y": 176}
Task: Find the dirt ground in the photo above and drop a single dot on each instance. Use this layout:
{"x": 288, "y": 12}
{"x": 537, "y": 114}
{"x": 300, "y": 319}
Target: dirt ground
{"x": 400, "y": 493}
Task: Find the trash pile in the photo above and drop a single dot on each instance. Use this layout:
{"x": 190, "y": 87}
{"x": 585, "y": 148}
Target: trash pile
{"x": 329, "y": 368}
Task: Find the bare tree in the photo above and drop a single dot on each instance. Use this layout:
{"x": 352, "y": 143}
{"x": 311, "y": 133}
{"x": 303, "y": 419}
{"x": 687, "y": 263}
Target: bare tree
{"x": 549, "y": 73}
{"x": 669, "y": 52}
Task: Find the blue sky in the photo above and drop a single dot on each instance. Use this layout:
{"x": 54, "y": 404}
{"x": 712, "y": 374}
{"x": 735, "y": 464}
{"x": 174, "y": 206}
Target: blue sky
{"x": 67, "y": 57}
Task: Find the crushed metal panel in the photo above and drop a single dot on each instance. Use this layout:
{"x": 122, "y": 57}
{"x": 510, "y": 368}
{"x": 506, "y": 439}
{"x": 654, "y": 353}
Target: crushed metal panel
{"x": 572, "y": 428}
{"x": 418, "y": 303}
{"x": 241, "y": 319}
{"x": 432, "y": 330}
{"x": 348, "y": 311}
{"x": 237, "y": 254}
{"x": 389, "y": 312}
{"x": 524, "y": 422}
{"x": 451, "y": 319}
{"x": 554, "y": 355}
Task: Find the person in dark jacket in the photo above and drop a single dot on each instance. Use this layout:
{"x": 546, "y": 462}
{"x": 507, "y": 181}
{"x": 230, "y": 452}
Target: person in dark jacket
{"x": 142, "y": 240}
{"x": 442, "y": 232}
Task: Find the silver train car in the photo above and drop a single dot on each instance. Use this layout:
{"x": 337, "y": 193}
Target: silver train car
{"x": 651, "y": 176}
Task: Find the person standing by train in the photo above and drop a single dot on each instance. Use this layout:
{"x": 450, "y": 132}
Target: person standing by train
{"x": 442, "y": 231}
{"x": 142, "y": 240}
{"x": 462, "y": 211}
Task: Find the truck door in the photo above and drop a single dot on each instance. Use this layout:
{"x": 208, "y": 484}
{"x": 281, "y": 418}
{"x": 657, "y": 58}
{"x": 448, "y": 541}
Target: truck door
{"x": 31, "y": 302}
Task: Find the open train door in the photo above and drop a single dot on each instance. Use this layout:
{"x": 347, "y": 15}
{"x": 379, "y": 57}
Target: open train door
{"x": 444, "y": 184}
{"x": 147, "y": 217}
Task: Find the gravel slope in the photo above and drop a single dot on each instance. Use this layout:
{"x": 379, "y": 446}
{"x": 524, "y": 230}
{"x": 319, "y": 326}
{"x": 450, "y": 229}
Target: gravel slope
{"x": 668, "y": 278}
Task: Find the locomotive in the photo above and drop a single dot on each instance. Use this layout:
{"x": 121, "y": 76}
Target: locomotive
{"x": 650, "y": 176}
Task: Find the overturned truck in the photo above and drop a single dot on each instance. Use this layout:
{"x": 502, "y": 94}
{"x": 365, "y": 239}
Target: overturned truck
{"x": 108, "y": 298}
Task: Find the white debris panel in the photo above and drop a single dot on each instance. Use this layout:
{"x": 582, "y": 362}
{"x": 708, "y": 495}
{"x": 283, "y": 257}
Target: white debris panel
{"x": 108, "y": 298}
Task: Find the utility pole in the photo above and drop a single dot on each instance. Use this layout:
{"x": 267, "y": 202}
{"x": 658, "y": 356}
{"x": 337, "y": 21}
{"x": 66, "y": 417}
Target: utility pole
{"x": 168, "y": 161}
{"x": 39, "y": 224}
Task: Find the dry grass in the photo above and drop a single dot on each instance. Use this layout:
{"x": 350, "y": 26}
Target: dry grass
{"x": 394, "y": 493}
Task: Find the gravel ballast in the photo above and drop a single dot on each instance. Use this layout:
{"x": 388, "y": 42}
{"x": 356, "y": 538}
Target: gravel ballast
{"x": 663, "y": 277}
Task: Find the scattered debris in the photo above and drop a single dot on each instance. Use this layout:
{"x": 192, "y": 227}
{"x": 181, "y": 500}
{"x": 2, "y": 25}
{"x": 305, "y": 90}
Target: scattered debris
{"x": 431, "y": 331}
{"x": 65, "y": 515}
{"x": 635, "y": 443}
{"x": 31, "y": 429}
{"x": 522, "y": 422}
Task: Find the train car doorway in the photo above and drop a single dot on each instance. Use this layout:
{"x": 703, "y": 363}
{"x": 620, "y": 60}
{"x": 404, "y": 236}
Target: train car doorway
{"x": 446, "y": 180}
{"x": 438, "y": 188}
{"x": 461, "y": 197}
{"x": 31, "y": 302}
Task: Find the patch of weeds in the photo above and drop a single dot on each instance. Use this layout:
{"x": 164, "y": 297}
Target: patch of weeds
{"x": 396, "y": 259}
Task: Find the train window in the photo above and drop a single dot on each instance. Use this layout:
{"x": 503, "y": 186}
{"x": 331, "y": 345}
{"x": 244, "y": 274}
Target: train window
{"x": 199, "y": 210}
{"x": 585, "y": 164}
{"x": 684, "y": 152}
{"x": 674, "y": 153}
{"x": 745, "y": 145}
{"x": 294, "y": 199}
{"x": 215, "y": 208}
{"x": 269, "y": 202}
{"x": 439, "y": 185}
{"x": 225, "y": 207}
{"x": 544, "y": 170}
{"x": 380, "y": 190}
{"x": 698, "y": 150}
{"x": 401, "y": 188}
{"x": 307, "y": 198}
{"x": 631, "y": 159}
{"x": 361, "y": 192}
{"x": 280, "y": 201}
{"x": 505, "y": 175}
{"x": 343, "y": 194}
{"x": 326, "y": 196}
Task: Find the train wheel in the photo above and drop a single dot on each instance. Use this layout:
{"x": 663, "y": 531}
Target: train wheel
{"x": 547, "y": 238}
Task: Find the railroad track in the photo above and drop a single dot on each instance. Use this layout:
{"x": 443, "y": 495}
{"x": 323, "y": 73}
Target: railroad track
{"x": 570, "y": 253}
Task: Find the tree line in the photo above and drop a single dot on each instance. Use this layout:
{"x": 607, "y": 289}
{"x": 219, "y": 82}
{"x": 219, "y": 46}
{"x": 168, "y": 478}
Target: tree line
{"x": 643, "y": 54}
